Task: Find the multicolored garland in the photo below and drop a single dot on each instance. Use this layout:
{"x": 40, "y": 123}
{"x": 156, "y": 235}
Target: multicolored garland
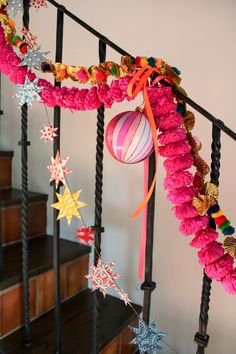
{"x": 196, "y": 201}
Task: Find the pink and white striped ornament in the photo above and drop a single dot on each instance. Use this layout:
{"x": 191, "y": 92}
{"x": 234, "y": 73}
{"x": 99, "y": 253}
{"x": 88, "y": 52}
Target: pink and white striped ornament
{"x": 129, "y": 137}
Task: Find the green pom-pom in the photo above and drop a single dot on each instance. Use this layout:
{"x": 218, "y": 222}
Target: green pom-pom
{"x": 180, "y": 108}
{"x": 230, "y": 230}
{"x": 223, "y": 226}
{"x": 14, "y": 39}
{"x": 176, "y": 70}
{"x": 114, "y": 71}
{"x": 152, "y": 62}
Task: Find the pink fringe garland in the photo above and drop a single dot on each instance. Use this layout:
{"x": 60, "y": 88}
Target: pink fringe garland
{"x": 178, "y": 181}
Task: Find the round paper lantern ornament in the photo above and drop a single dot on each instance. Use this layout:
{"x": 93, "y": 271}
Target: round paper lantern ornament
{"x": 129, "y": 137}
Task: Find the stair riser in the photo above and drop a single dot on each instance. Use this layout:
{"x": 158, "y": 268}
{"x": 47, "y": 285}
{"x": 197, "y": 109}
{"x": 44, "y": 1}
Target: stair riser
{"x": 120, "y": 344}
{"x": 11, "y": 221}
{"x": 41, "y": 294}
{"x": 5, "y": 169}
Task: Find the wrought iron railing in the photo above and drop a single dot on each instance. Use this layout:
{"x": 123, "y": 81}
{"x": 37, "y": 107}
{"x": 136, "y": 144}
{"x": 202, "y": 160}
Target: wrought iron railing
{"x": 201, "y": 338}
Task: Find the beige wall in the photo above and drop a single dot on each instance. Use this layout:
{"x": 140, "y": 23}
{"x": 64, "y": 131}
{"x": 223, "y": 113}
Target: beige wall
{"x": 199, "y": 38}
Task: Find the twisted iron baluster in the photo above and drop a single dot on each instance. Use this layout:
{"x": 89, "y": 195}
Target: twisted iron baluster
{"x": 98, "y": 210}
{"x": 202, "y": 338}
{"x": 24, "y": 203}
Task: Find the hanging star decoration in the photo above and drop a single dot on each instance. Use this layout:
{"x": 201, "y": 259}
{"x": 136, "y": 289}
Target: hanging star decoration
{"x": 33, "y": 58}
{"x": 85, "y": 234}
{"x": 68, "y": 205}
{"x": 37, "y": 4}
{"x": 58, "y": 169}
{"x": 48, "y": 133}
{"x": 29, "y": 92}
{"x": 15, "y": 6}
{"x": 29, "y": 38}
{"x": 102, "y": 276}
{"x": 148, "y": 338}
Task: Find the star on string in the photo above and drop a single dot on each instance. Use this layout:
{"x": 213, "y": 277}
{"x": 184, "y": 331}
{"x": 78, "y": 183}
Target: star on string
{"x": 58, "y": 169}
{"x": 48, "y": 133}
{"x": 15, "y": 6}
{"x": 38, "y": 3}
{"x": 85, "y": 234}
{"x": 28, "y": 92}
{"x": 33, "y": 58}
{"x": 148, "y": 338}
{"x": 29, "y": 38}
{"x": 102, "y": 276}
{"x": 68, "y": 205}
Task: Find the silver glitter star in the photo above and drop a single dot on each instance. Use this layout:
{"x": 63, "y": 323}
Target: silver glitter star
{"x": 29, "y": 92}
{"x": 33, "y": 58}
{"x": 15, "y": 6}
{"x": 148, "y": 338}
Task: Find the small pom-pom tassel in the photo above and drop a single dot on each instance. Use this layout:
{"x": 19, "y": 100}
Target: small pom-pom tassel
{"x": 178, "y": 180}
{"x": 213, "y": 209}
{"x": 179, "y": 163}
{"x": 225, "y": 225}
{"x": 220, "y": 220}
{"x": 192, "y": 225}
{"x": 182, "y": 195}
{"x": 210, "y": 253}
{"x": 220, "y": 268}
{"x": 172, "y": 136}
{"x": 100, "y": 76}
{"x": 203, "y": 238}
{"x": 185, "y": 211}
{"x": 174, "y": 149}
{"x": 23, "y": 48}
{"x": 169, "y": 121}
{"x": 230, "y": 230}
{"x": 229, "y": 282}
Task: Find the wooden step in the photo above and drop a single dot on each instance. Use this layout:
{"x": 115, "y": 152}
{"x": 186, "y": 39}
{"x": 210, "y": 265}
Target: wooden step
{"x": 5, "y": 168}
{"x": 74, "y": 266}
{"x": 10, "y": 207}
{"x": 77, "y": 329}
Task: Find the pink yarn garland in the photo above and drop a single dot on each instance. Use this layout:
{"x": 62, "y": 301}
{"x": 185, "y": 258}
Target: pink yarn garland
{"x": 176, "y": 147}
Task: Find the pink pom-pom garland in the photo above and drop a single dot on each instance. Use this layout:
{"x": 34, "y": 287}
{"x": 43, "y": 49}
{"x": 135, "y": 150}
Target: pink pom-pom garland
{"x": 175, "y": 145}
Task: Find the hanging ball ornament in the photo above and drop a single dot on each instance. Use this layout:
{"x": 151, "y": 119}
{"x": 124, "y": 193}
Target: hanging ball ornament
{"x": 129, "y": 137}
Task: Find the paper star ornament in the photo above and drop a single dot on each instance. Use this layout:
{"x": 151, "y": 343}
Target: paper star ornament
{"x": 48, "y": 133}
{"x": 68, "y": 205}
{"x": 123, "y": 296}
{"x": 102, "y": 276}
{"x": 29, "y": 38}
{"x": 38, "y": 3}
{"x": 33, "y": 58}
{"x": 85, "y": 234}
{"x": 148, "y": 338}
{"x": 15, "y": 6}
{"x": 58, "y": 169}
{"x": 29, "y": 92}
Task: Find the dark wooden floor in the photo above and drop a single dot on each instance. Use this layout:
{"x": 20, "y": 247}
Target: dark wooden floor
{"x": 76, "y": 327}
{"x": 40, "y": 259}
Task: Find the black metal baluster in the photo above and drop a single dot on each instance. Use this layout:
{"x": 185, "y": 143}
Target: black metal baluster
{"x": 56, "y": 223}
{"x": 148, "y": 285}
{"x": 202, "y": 338}
{"x": 24, "y": 203}
{"x": 98, "y": 209}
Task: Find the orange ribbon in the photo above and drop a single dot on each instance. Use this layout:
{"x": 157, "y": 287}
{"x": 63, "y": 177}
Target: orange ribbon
{"x": 139, "y": 83}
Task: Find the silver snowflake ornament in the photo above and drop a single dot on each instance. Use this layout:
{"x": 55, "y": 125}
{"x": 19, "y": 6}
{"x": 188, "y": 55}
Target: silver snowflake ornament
{"x": 33, "y": 58}
{"x": 29, "y": 92}
{"x": 15, "y": 6}
{"x": 148, "y": 338}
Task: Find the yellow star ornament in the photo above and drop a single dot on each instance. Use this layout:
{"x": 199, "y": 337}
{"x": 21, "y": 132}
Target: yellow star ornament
{"x": 68, "y": 205}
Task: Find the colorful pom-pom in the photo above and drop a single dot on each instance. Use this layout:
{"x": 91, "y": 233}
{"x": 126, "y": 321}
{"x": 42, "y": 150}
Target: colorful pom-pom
{"x": 152, "y": 62}
{"x": 46, "y": 67}
{"x": 224, "y": 225}
{"x": 100, "y": 76}
{"x": 191, "y": 225}
{"x": 144, "y": 61}
{"x": 230, "y": 230}
{"x": 185, "y": 211}
{"x": 220, "y": 220}
{"x": 82, "y": 75}
{"x": 210, "y": 253}
{"x": 182, "y": 195}
{"x": 216, "y": 215}
{"x": 180, "y": 108}
{"x": 15, "y": 38}
{"x": 213, "y": 209}
{"x": 138, "y": 61}
{"x": 220, "y": 268}
{"x": 176, "y": 70}
{"x": 229, "y": 282}
{"x": 23, "y": 48}
{"x": 114, "y": 70}
{"x": 178, "y": 180}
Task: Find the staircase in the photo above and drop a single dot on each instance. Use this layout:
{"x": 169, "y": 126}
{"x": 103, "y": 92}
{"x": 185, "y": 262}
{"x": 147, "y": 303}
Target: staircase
{"x": 77, "y": 307}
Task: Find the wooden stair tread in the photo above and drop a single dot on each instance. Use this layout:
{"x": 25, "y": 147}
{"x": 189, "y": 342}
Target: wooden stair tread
{"x": 40, "y": 258}
{"x": 6, "y": 153}
{"x": 12, "y": 196}
{"x": 76, "y": 327}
